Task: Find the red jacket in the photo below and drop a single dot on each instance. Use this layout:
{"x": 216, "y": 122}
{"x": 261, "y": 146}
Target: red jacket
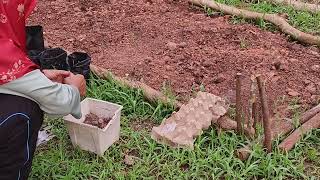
{"x": 14, "y": 61}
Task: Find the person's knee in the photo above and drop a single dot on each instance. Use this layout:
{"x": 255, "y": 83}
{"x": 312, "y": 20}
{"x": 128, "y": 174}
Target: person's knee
{"x": 16, "y": 154}
{"x": 20, "y": 121}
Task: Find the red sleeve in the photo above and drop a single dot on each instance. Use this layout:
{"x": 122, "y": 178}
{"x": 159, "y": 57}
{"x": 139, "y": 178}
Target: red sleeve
{"x": 29, "y": 5}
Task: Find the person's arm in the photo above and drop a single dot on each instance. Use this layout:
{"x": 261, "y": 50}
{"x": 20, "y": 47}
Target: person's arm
{"x": 66, "y": 77}
{"x": 53, "y": 98}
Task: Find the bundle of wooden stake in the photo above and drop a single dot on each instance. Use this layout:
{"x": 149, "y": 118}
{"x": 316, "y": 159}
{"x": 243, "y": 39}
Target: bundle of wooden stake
{"x": 309, "y": 120}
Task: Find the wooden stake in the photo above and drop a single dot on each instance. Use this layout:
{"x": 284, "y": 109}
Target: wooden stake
{"x": 266, "y": 116}
{"x": 252, "y": 101}
{"x": 252, "y": 104}
{"x": 238, "y": 103}
{"x": 255, "y": 115}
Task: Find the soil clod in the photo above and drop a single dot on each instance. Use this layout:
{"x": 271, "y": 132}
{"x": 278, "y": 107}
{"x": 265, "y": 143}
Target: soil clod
{"x": 94, "y": 120}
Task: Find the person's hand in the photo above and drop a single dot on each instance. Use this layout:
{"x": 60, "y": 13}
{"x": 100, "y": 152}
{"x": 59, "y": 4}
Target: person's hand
{"x": 56, "y": 75}
{"x": 78, "y": 81}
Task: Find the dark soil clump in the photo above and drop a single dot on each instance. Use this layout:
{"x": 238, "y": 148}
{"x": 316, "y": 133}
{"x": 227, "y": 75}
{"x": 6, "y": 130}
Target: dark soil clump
{"x": 94, "y": 120}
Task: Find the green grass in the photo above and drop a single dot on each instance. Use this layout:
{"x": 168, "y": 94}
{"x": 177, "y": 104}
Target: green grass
{"x": 131, "y": 99}
{"x": 302, "y": 20}
{"x": 212, "y": 157}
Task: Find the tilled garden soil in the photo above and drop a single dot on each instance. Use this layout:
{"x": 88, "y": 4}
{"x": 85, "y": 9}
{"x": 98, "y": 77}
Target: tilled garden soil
{"x": 159, "y": 41}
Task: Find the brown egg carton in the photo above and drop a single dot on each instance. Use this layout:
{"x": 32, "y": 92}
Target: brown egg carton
{"x": 181, "y": 129}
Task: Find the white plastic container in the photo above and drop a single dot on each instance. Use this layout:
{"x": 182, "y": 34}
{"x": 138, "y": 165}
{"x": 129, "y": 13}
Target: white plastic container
{"x": 92, "y": 138}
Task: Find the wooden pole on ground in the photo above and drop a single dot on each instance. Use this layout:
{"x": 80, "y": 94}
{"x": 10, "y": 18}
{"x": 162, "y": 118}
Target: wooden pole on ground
{"x": 288, "y": 143}
{"x": 150, "y": 94}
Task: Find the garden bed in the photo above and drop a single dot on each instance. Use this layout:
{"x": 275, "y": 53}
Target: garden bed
{"x": 170, "y": 42}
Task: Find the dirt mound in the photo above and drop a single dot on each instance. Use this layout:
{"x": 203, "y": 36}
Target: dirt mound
{"x": 160, "y": 41}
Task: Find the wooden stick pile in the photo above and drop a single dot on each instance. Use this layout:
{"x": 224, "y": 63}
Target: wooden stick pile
{"x": 309, "y": 120}
{"x": 253, "y": 110}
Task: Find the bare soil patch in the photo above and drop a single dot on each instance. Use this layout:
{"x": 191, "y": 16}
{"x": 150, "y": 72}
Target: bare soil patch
{"x": 159, "y": 41}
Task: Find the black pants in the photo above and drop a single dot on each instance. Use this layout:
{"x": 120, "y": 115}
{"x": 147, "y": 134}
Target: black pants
{"x": 20, "y": 121}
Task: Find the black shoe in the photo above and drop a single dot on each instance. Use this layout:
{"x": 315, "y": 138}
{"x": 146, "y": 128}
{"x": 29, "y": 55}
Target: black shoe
{"x": 79, "y": 63}
{"x": 34, "y": 38}
{"x": 54, "y": 58}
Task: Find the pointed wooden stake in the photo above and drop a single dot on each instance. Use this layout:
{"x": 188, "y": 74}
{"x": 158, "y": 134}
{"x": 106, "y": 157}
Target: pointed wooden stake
{"x": 238, "y": 103}
{"x": 266, "y": 116}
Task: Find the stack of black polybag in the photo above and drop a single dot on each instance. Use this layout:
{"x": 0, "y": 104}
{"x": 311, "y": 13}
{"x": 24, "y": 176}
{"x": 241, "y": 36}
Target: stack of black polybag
{"x": 55, "y": 58}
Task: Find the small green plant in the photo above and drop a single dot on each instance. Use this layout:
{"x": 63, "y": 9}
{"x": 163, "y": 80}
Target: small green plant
{"x": 193, "y": 89}
{"x": 167, "y": 90}
{"x": 296, "y": 111}
{"x": 202, "y": 88}
{"x": 208, "y": 10}
{"x": 243, "y": 43}
{"x": 312, "y": 154}
{"x": 232, "y": 112}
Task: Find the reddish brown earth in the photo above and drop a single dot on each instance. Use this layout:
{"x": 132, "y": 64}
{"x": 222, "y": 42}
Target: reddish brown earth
{"x": 94, "y": 120}
{"x": 158, "y": 41}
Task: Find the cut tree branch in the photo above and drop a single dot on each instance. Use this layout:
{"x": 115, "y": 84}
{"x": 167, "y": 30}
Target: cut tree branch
{"x": 150, "y": 94}
{"x": 298, "y": 5}
{"x": 309, "y": 114}
{"x": 287, "y": 126}
{"x": 275, "y": 19}
{"x": 288, "y": 143}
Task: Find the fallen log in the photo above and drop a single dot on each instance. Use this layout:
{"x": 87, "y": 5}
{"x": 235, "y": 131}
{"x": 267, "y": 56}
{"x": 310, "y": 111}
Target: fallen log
{"x": 288, "y": 143}
{"x": 275, "y": 19}
{"x": 287, "y": 126}
{"x": 298, "y": 5}
{"x": 309, "y": 114}
{"x": 150, "y": 94}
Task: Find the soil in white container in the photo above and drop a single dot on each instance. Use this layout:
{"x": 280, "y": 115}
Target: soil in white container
{"x": 94, "y": 120}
